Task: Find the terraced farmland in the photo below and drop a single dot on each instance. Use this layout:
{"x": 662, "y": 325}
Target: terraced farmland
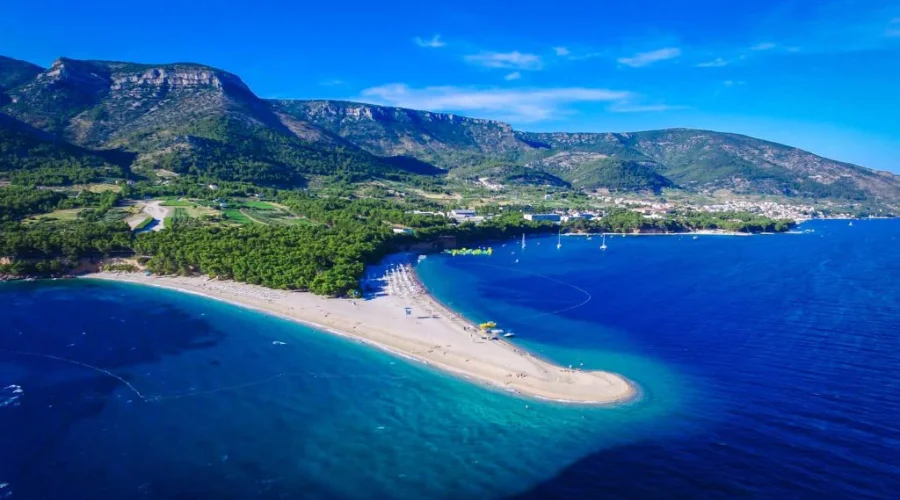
{"x": 235, "y": 215}
{"x": 274, "y": 215}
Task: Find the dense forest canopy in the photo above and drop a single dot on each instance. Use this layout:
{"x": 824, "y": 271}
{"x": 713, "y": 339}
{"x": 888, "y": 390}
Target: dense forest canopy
{"x": 327, "y": 257}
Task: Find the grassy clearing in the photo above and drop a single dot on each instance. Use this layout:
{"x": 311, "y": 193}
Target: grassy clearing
{"x": 439, "y": 197}
{"x": 263, "y": 205}
{"x": 178, "y": 203}
{"x": 95, "y": 188}
{"x": 67, "y": 214}
{"x": 253, "y": 215}
{"x": 198, "y": 212}
{"x": 235, "y": 215}
{"x": 275, "y": 215}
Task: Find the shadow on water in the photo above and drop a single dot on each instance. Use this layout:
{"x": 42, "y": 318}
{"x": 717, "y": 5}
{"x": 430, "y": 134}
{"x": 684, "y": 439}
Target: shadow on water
{"x": 726, "y": 464}
{"x": 82, "y": 359}
{"x": 633, "y": 471}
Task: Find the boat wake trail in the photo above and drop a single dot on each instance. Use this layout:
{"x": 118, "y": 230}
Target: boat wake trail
{"x": 79, "y": 363}
{"x": 558, "y": 311}
{"x": 167, "y": 397}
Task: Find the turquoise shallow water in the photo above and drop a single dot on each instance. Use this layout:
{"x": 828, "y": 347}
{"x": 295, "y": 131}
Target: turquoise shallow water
{"x": 766, "y": 364}
{"x": 214, "y": 408}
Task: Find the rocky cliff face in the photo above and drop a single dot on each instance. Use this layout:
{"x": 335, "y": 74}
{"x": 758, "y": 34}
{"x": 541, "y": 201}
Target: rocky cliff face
{"x": 181, "y": 117}
{"x": 97, "y": 103}
{"x": 67, "y": 72}
{"x": 443, "y": 139}
{"x": 692, "y": 159}
{"x": 176, "y": 77}
{"x": 117, "y": 76}
{"x": 191, "y": 114}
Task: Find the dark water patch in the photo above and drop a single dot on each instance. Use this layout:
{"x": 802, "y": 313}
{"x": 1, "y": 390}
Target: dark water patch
{"x": 789, "y": 345}
{"x": 767, "y": 367}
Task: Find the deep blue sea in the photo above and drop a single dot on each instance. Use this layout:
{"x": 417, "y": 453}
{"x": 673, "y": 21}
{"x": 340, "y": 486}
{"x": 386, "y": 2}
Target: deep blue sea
{"x": 769, "y": 367}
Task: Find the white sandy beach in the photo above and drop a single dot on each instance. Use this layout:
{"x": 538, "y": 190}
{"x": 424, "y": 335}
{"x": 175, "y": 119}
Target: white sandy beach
{"x": 430, "y": 334}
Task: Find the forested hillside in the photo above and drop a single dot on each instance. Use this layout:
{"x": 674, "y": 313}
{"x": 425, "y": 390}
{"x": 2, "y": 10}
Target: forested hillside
{"x": 103, "y": 118}
{"x": 30, "y": 156}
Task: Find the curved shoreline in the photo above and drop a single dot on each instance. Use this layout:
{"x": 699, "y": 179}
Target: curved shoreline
{"x": 633, "y": 389}
{"x": 439, "y": 339}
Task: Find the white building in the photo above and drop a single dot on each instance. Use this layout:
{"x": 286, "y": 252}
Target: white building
{"x": 543, "y": 217}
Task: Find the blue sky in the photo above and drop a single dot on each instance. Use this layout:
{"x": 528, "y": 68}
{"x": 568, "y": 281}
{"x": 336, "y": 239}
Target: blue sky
{"x": 821, "y": 75}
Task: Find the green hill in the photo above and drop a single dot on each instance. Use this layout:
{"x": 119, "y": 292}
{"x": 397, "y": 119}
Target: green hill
{"x": 29, "y": 156}
{"x": 194, "y": 119}
{"x": 14, "y": 72}
{"x": 186, "y": 118}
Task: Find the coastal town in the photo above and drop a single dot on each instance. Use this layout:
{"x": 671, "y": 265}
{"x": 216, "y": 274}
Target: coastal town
{"x": 652, "y": 209}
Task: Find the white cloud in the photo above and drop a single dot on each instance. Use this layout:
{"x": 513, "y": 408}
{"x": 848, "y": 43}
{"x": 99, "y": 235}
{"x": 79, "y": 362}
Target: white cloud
{"x": 518, "y": 105}
{"x": 434, "y": 42}
{"x": 332, "y": 82}
{"x": 715, "y": 63}
{"x": 515, "y": 75}
{"x": 626, "y": 107}
{"x": 561, "y": 51}
{"x": 893, "y": 28}
{"x": 763, "y": 46}
{"x": 732, "y": 83}
{"x": 642, "y": 59}
{"x": 506, "y": 60}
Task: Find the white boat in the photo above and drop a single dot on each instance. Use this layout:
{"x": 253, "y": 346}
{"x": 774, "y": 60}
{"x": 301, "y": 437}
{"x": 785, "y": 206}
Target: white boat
{"x": 603, "y": 246}
{"x": 559, "y": 239}
{"x": 509, "y": 334}
{"x": 523, "y": 240}
{"x": 850, "y": 224}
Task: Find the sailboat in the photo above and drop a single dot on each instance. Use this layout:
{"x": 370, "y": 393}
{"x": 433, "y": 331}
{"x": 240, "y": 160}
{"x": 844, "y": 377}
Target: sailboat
{"x": 603, "y": 246}
{"x": 523, "y": 241}
{"x": 559, "y": 239}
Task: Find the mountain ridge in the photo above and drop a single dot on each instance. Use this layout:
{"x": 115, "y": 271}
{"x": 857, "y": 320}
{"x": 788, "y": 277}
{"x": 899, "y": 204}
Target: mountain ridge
{"x": 185, "y": 118}
{"x": 709, "y": 159}
{"x": 193, "y": 118}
